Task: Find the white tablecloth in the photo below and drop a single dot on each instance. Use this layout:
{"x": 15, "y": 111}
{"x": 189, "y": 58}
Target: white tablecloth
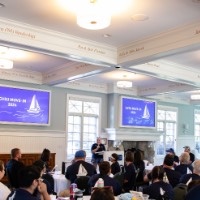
{"x": 149, "y": 167}
{"x": 60, "y": 183}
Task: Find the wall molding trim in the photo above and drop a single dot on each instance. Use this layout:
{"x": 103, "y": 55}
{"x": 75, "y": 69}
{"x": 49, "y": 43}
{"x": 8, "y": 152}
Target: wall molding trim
{"x": 32, "y": 133}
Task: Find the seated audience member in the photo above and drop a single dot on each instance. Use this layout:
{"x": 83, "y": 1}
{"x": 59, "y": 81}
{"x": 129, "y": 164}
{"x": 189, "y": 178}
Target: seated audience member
{"x": 195, "y": 175}
{"x": 29, "y": 182}
{"x": 47, "y": 178}
{"x": 105, "y": 170}
{"x": 192, "y": 156}
{"x": 13, "y": 166}
{"x": 192, "y": 184}
{"x": 176, "y": 158}
{"x": 4, "y": 191}
{"x": 73, "y": 170}
{"x": 130, "y": 172}
{"x": 193, "y": 194}
{"x": 172, "y": 175}
{"x": 102, "y": 194}
{"x": 139, "y": 166}
{"x": 115, "y": 168}
{"x": 45, "y": 157}
{"x": 184, "y": 167}
{"x": 157, "y": 185}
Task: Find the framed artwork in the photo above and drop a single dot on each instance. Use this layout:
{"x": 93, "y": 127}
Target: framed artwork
{"x": 104, "y": 141}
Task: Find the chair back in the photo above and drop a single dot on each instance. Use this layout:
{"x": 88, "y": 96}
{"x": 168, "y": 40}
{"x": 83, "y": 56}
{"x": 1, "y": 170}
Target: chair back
{"x": 82, "y": 184}
{"x": 122, "y": 170}
{"x": 49, "y": 178}
{"x": 180, "y": 191}
{"x": 119, "y": 177}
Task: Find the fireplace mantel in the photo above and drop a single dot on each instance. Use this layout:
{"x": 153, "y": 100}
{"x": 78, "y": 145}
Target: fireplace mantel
{"x": 126, "y": 134}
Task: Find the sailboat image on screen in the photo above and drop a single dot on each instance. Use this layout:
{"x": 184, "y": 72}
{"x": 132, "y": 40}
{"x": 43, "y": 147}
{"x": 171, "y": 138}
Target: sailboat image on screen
{"x": 146, "y": 114}
{"x": 34, "y": 107}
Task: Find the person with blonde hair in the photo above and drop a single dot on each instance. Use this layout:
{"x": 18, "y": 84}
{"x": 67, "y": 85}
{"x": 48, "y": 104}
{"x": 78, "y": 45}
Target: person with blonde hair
{"x": 184, "y": 167}
{"x": 194, "y": 176}
{"x": 4, "y": 191}
{"x": 192, "y": 156}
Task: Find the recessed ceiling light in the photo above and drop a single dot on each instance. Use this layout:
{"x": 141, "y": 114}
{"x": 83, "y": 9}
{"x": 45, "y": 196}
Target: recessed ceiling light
{"x": 2, "y": 5}
{"x": 107, "y": 35}
{"x": 139, "y": 17}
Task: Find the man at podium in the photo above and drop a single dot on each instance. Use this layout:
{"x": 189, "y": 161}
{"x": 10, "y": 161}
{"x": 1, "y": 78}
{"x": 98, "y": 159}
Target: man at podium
{"x": 97, "y": 152}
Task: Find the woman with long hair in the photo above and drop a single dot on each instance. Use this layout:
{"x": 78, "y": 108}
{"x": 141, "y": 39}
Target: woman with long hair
{"x": 45, "y": 157}
{"x": 130, "y": 174}
{"x": 159, "y": 189}
{"x": 140, "y": 166}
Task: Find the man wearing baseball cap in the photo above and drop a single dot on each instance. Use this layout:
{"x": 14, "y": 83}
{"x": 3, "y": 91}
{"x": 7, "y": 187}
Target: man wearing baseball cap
{"x": 171, "y": 152}
{"x": 73, "y": 170}
{"x": 192, "y": 156}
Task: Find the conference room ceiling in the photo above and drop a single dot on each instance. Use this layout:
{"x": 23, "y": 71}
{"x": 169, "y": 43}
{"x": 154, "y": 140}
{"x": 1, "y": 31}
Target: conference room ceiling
{"x": 162, "y": 16}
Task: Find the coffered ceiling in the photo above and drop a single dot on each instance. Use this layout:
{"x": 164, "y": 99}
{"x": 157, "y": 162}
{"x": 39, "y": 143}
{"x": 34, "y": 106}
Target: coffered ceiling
{"x": 160, "y": 55}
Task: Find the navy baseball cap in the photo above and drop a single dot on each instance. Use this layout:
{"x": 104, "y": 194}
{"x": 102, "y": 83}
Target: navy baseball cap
{"x": 170, "y": 150}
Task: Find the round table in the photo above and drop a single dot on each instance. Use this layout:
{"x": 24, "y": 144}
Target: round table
{"x": 60, "y": 182}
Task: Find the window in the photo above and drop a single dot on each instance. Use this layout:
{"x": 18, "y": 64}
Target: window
{"x": 167, "y": 125}
{"x": 197, "y": 129}
{"x": 82, "y": 124}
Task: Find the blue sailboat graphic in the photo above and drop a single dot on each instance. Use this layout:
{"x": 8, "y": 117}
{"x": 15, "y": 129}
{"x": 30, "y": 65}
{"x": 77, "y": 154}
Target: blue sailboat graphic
{"x": 146, "y": 114}
{"x": 34, "y": 107}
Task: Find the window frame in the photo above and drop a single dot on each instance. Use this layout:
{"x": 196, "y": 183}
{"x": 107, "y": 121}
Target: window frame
{"x": 196, "y": 123}
{"x": 86, "y": 99}
{"x": 163, "y": 133}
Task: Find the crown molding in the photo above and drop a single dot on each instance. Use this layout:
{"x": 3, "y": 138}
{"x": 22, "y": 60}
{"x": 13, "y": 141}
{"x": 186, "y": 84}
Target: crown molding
{"x": 21, "y": 76}
{"x": 71, "y": 47}
{"x": 155, "y": 47}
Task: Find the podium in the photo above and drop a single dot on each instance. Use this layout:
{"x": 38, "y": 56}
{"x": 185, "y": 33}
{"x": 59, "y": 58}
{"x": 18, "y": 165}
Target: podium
{"x": 107, "y": 155}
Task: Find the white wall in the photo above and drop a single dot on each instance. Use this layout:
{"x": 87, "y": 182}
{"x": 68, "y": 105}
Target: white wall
{"x": 34, "y": 142}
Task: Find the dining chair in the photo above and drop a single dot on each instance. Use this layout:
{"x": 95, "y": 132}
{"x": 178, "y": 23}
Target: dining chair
{"x": 82, "y": 184}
